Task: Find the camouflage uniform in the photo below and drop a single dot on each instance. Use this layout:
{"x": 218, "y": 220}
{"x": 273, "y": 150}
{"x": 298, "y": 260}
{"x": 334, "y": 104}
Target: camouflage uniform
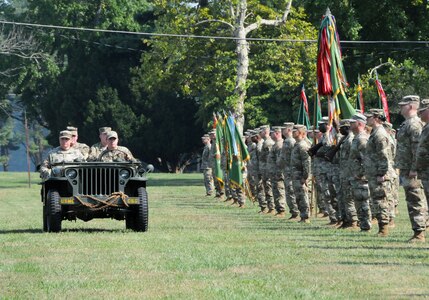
{"x": 58, "y": 155}
{"x": 359, "y": 181}
{"x": 265, "y": 171}
{"x": 377, "y": 164}
{"x": 284, "y": 163}
{"x": 300, "y": 169}
{"x": 408, "y": 138}
{"x": 95, "y": 151}
{"x": 422, "y": 160}
{"x": 207, "y": 169}
{"x": 83, "y": 148}
{"x": 116, "y": 155}
{"x": 252, "y": 169}
{"x": 394, "y": 194}
{"x": 260, "y": 185}
{"x": 345, "y": 197}
{"x": 276, "y": 175}
{"x": 323, "y": 180}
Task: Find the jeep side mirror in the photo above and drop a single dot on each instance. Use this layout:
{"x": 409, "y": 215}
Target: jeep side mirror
{"x": 149, "y": 168}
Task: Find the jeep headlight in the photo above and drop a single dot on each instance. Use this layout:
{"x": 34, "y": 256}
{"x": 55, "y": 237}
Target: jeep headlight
{"x": 56, "y": 171}
{"x": 71, "y": 173}
{"x": 125, "y": 174}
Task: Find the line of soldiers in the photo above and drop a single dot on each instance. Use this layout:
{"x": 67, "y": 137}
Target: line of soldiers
{"x": 70, "y": 150}
{"x": 354, "y": 174}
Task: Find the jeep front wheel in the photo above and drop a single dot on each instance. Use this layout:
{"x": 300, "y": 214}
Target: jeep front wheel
{"x": 139, "y": 218}
{"x": 53, "y": 212}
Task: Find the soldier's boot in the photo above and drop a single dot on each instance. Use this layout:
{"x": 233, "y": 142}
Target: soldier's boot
{"x": 332, "y": 223}
{"x": 241, "y": 205}
{"x": 418, "y": 237}
{"x": 293, "y": 218}
{"x": 353, "y": 226}
{"x": 383, "y": 230}
{"x": 271, "y": 211}
{"x": 280, "y": 214}
{"x": 263, "y": 211}
{"x": 392, "y": 223}
{"x": 234, "y": 202}
{"x": 304, "y": 220}
{"x": 229, "y": 198}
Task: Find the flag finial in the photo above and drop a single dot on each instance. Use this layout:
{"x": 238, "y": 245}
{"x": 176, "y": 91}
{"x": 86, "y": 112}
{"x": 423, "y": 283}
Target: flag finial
{"x": 328, "y": 12}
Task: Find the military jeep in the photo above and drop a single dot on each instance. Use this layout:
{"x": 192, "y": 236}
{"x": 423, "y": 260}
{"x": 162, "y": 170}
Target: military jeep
{"x": 88, "y": 190}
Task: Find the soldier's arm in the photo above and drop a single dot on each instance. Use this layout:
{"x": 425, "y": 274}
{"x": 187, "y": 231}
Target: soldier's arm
{"x": 45, "y": 168}
{"x": 414, "y": 139}
{"x": 382, "y": 161}
{"x": 422, "y": 152}
{"x": 306, "y": 162}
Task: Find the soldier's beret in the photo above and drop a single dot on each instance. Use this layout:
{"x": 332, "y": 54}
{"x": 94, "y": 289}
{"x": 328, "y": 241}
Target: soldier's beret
{"x": 424, "y": 104}
{"x": 112, "y": 134}
{"x": 72, "y": 129}
{"x": 358, "y": 117}
{"x": 410, "y": 99}
{"x": 104, "y": 129}
{"x": 345, "y": 122}
{"x": 288, "y": 124}
{"x": 65, "y": 134}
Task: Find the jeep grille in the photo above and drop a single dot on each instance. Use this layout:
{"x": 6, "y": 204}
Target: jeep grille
{"x": 98, "y": 181}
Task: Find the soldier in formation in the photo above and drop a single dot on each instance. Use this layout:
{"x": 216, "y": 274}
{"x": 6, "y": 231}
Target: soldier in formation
{"x": 408, "y": 140}
{"x": 206, "y": 166}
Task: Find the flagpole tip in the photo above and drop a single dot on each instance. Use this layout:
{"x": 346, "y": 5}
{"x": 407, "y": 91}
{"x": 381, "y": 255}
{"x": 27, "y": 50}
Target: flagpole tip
{"x": 328, "y": 11}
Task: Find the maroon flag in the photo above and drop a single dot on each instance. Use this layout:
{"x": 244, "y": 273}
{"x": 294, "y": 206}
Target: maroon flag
{"x": 304, "y": 100}
{"x": 383, "y": 99}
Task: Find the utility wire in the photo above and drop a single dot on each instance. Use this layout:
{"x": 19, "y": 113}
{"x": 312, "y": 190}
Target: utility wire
{"x": 200, "y": 36}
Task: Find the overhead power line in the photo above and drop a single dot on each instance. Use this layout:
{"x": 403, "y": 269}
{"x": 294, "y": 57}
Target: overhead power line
{"x": 191, "y": 36}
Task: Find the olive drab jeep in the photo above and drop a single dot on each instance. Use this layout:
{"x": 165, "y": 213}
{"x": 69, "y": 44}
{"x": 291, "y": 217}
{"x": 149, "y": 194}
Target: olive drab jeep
{"x": 88, "y": 190}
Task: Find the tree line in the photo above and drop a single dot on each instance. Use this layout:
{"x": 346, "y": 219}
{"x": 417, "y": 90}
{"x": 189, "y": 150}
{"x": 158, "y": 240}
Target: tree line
{"x": 160, "y": 92}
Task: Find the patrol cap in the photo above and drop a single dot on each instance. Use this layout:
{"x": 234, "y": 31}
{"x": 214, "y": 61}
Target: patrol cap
{"x": 299, "y": 127}
{"x": 410, "y": 99}
{"x": 65, "y": 134}
{"x": 112, "y": 134}
{"x": 345, "y": 122}
{"x": 72, "y": 129}
{"x": 374, "y": 112}
{"x": 205, "y": 136}
{"x": 358, "y": 117}
{"x": 424, "y": 104}
{"x": 104, "y": 129}
{"x": 263, "y": 127}
{"x": 288, "y": 124}
{"x": 277, "y": 128}
{"x": 212, "y": 132}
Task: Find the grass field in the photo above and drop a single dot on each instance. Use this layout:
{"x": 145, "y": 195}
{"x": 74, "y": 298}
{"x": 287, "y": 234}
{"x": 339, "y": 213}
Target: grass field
{"x": 198, "y": 248}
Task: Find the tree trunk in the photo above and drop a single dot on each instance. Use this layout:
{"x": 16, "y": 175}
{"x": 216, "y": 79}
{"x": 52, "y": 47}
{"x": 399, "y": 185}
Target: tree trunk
{"x": 242, "y": 51}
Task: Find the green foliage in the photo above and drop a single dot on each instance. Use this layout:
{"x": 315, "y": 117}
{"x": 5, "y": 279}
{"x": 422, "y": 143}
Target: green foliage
{"x": 205, "y": 69}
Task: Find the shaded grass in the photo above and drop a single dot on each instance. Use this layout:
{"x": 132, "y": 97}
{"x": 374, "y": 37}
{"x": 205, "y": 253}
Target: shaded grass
{"x": 198, "y": 248}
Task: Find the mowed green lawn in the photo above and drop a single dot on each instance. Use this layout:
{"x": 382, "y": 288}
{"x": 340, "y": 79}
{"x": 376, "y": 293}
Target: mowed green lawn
{"x": 198, "y": 248}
